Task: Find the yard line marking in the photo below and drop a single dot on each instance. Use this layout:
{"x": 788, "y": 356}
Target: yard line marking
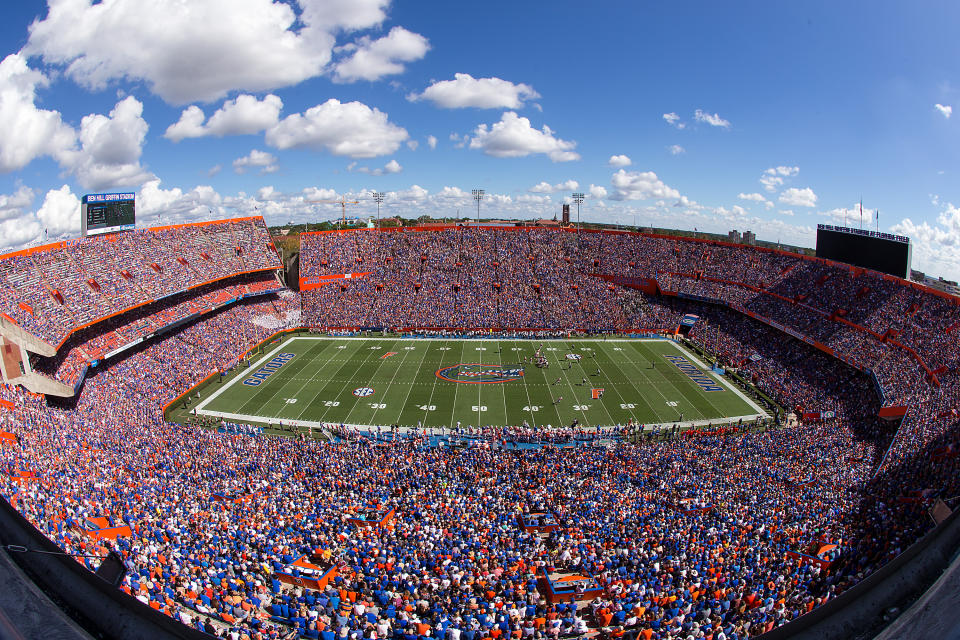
{"x": 387, "y": 391}
{"x": 480, "y": 388}
{"x": 300, "y": 390}
{"x": 456, "y": 389}
{"x": 640, "y": 394}
{"x": 574, "y": 391}
{"x": 326, "y": 383}
{"x": 433, "y": 388}
{"x": 373, "y": 376}
{"x": 503, "y": 391}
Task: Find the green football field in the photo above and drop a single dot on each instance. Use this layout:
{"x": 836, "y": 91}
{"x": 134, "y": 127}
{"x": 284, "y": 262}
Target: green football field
{"x": 312, "y": 380}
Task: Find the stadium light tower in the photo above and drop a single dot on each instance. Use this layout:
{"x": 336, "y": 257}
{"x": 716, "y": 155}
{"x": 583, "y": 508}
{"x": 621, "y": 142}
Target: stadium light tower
{"x": 478, "y": 196}
{"x": 378, "y": 198}
{"x": 578, "y": 198}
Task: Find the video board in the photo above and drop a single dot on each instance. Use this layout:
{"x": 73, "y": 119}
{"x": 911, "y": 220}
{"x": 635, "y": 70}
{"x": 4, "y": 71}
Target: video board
{"x": 107, "y": 212}
{"x": 879, "y": 251}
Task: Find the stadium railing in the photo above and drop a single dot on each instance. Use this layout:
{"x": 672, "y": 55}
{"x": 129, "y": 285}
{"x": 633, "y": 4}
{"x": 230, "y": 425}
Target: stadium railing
{"x": 903, "y": 577}
{"x": 99, "y": 605}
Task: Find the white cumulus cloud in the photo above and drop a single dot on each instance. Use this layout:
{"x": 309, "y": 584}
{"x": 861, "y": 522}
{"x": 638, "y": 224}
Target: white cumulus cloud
{"x": 676, "y": 149}
{"x": 344, "y": 129}
{"x": 531, "y": 198}
{"x": 156, "y": 205}
{"x": 110, "y": 148}
{"x": 391, "y": 167}
{"x": 756, "y": 197}
{"x": 773, "y": 178}
{"x": 196, "y": 51}
{"x": 783, "y": 171}
{"x": 267, "y": 162}
{"x": 597, "y": 191}
{"x": 60, "y": 212}
{"x": 314, "y": 193}
{"x": 19, "y": 232}
{"x": 944, "y": 109}
{"x": 57, "y": 217}
{"x": 432, "y": 142}
{"x": 513, "y": 137}
{"x": 936, "y": 247}
{"x": 483, "y": 93}
{"x": 640, "y": 185}
{"x": 374, "y": 59}
{"x": 799, "y": 197}
{"x": 14, "y": 205}
{"x": 619, "y": 161}
{"x": 546, "y": 187}
{"x": 844, "y": 215}
{"x": 453, "y": 193}
{"x": 27, "y": 132}
{"x": 243, "y": 115}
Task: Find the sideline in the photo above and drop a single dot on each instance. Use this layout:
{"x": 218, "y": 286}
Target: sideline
{"x": 722, "y": 380}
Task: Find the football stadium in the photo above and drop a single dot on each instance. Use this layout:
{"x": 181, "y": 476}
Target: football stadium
{"x": 610, "y": 427}
{"x": 239, "y": 400}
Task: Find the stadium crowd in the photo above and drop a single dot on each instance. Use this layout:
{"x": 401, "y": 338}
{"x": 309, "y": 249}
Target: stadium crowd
{"x": 92, "y": 344}
{"x": 690, "y": 537}
{"x": 538, "y": 279}
{"x": 55, "y": 290}
{"x": 722, "y": 536}
{"x": 454, "y": 278}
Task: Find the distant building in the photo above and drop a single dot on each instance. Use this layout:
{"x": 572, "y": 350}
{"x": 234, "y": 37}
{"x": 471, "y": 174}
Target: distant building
{"x": 747, "y": 237}
{"x": 940, "y": 284}
{"x": 566, "y": 214}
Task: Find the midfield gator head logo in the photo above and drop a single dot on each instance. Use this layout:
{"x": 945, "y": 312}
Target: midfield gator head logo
{"x": 480, "y": 373}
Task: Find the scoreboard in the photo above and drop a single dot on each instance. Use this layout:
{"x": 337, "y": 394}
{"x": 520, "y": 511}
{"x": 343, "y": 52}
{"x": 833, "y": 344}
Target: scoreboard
{"x": 875, "y": 250}
{"x": 107, "y": 212}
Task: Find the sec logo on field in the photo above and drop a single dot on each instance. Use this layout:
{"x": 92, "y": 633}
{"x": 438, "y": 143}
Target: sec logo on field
{"x": 363, "y": 392}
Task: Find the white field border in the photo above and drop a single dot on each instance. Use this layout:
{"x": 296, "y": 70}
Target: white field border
{"x": 201, "y": 409}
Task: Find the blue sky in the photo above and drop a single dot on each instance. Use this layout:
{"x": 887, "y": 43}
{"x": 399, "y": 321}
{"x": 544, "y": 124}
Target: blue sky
{"x": 754, "y": 115}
